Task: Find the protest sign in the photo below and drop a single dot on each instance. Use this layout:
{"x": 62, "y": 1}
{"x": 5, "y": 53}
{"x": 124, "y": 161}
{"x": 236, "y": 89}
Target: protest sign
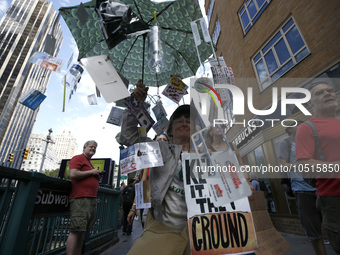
{"x": 175, "y": 90}
{"x": 139, "y": 156}
{"x": 32, "y": 99}
{"x": 217, "y": 223}
{"x": 161, "y": 126}
{"x": 159, "y": 111}
{"x": 115, "y": 116}
{"x": 106, "y": 78}
{"x": 138, "y": 110}
{"x": 143, "y": 195}
{"x": 47, "y": 61}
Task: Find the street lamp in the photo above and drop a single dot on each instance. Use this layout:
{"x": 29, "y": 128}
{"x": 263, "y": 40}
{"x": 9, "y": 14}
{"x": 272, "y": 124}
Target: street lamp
{"x": 48, "y": 140}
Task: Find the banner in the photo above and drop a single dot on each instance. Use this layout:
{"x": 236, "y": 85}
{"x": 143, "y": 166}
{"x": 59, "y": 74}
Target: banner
{"x": 139, "y": 156}
{"x": 218, "y": 224}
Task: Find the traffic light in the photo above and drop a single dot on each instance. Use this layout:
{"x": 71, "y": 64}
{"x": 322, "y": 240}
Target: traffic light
{"x": 26, "y": 153}
{"x": 11, "y": 157}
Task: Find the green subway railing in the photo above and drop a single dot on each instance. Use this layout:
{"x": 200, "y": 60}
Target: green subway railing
{"x": 34, "y": 215}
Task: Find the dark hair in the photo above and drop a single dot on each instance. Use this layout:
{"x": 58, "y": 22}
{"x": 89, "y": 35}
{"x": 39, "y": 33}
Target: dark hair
{"x": 160, "y": 135}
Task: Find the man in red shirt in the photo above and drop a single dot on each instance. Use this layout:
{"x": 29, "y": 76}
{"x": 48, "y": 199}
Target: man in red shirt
{"x": 83, "y": 203}
{"x": 324, "y": 103}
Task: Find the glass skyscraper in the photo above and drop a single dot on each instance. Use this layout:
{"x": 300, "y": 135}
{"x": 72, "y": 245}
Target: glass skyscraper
{"x": 28, "y": 26}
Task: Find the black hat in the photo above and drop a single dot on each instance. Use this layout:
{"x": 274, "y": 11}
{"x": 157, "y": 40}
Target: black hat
{"x": 182, "y": 110}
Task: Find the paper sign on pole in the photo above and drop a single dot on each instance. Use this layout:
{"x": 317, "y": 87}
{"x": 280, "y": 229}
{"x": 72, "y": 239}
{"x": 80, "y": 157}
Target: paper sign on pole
{"x": 106, "y": 78}
{"x": 139, "y": 156}
{"x": 215, "y": 226}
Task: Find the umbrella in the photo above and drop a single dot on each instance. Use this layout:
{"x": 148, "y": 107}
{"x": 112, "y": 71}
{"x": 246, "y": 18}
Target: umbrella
{"x": 129, "y": 56}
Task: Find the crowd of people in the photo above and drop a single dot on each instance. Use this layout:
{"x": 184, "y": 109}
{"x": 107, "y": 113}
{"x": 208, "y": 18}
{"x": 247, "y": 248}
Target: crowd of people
{"x": 317, "y": 206}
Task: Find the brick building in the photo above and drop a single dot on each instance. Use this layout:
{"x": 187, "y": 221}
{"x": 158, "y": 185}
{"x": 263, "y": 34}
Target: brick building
{"x": 273, "y": 44}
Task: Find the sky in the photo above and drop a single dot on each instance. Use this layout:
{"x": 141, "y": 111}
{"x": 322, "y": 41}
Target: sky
{"x": 86, "y": 122}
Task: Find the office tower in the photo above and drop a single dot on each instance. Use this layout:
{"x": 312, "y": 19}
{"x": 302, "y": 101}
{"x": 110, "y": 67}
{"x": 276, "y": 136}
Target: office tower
{"x": 65, "y": 145}
{"x": 37, "y": 146}
{"x": 28, "y": 26}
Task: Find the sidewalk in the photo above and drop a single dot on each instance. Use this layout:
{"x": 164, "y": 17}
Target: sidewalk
{"x": 299, "y": 244}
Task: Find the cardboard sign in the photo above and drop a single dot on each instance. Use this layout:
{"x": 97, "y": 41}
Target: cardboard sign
{"x": 32, "y": 99}
{"x": 107, "y": 80}
{"x": 46, "y": 61}
{"x": 143, "y": 195}
{"x": 139, "y": 156}
{"x": 216, "y": 226}
{"x": 138, "y": 110}
{"x": 266, "y": 234}
{"x": 175, "y": 90}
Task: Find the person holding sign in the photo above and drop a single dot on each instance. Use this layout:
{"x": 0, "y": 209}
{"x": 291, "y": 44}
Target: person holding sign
{"x": 168, "y": 207}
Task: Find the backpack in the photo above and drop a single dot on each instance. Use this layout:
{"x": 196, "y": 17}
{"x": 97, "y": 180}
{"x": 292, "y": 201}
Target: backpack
{"x": 312, "y": 180}
{"x": 285, "y": 180}
{"x": 128, "y": 194}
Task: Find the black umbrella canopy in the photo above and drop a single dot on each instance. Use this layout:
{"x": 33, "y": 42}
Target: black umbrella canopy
{"x": 173, "y": 17}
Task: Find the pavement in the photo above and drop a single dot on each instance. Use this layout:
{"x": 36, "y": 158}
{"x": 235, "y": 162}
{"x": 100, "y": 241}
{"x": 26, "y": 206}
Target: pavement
{"x": 299, "y": 244}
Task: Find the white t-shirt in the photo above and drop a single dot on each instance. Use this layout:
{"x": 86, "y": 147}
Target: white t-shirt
{"x": 175, "y": 208}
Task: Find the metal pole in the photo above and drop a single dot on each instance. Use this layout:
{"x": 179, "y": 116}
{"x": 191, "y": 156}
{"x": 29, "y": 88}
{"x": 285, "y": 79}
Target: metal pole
{"x": 48, "y": 140}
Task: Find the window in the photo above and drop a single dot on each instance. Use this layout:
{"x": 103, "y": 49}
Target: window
{"x": 250, "y": 12}
{"x": 283, "y": 51}
{"x": 217, "y": 32}
{"x": 210, "y": 9}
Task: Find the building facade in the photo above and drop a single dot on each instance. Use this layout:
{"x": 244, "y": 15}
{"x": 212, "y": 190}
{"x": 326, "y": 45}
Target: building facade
{"x": 271, "y": 44}
{"x": 37, "y": 146}
{"x": 65, "y": 145}
{"x": 25, "y": 28}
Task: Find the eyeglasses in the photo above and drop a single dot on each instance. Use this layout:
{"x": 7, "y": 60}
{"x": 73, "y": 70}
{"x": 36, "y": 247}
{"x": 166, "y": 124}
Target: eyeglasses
{"x": 182, "y": 121}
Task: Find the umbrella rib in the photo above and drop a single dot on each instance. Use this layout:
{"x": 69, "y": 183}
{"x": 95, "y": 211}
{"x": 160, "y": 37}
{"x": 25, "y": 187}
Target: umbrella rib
{"x": 180, "y": 53}
{"x": 90, "y": 48}
{"x": 128, "y": 53}
{"x": 175, "y": 29}
{"x": 140, "y": 15}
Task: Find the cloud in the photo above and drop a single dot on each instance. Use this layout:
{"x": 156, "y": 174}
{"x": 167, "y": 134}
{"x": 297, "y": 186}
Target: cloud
{"x": 3, "y": 7}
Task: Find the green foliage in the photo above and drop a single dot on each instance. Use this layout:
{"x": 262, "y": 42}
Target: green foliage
{"x": 52, "y": 173}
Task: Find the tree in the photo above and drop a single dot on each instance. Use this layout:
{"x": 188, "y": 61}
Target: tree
{"x": 52, "y": 173}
